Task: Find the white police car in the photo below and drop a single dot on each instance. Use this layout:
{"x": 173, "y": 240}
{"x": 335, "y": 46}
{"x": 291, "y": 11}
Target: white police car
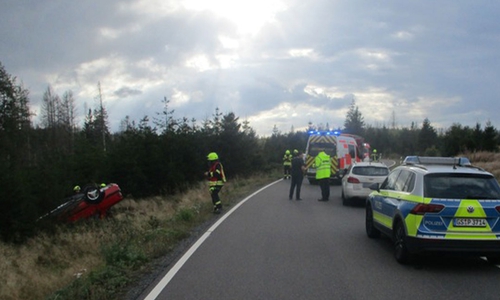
{"x": 435, "y": 204}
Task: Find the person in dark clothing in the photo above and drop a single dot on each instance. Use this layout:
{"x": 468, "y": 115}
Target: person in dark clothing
{"x": 297, "y": 172}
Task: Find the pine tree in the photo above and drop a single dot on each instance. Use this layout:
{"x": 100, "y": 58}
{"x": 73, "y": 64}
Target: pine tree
{"x": 354, "y": 122}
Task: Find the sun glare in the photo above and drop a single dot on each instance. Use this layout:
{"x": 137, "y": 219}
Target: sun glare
{"x": 248, "y": 16}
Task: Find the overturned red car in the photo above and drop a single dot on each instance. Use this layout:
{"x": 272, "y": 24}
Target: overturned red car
{"x": 92, "y": 202}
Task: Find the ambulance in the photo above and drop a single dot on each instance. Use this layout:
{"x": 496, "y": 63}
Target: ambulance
{"x": 343, "y": 151}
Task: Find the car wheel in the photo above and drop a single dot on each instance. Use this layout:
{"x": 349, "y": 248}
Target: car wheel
{"x": 345, "y": 200}
{"x": 494, "y": 259}
{"x": 371, "y": 231}
{"x": 92, "y": 195}
{"x": 401, "y": 253}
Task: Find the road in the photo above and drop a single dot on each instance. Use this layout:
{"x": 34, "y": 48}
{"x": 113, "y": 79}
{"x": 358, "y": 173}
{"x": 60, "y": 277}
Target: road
{"x": 270, "y": 247}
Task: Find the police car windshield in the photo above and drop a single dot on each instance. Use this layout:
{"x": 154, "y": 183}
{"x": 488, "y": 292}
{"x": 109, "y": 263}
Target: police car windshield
{"x": 461, "y": 186}
{"x": 316, "y": 147}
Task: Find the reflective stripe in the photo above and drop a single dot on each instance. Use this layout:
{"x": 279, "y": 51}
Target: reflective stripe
{"x": 382, "y": 219}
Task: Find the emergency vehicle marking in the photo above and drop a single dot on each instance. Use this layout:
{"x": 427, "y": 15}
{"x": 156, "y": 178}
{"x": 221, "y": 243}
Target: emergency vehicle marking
{"x": 439, "y": 225}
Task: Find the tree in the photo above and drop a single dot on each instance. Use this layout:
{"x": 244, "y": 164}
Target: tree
{"x": 50, "y": 104}
{"x": 354, "y": 121}
{"x": 490, "y": 142}
{"x": 427, "y": 137}
{"x": 16, "y": 195}
{"x": 165, "y": 122}
{"x": 67, "y": 112}
{"x": 95, "y": 126}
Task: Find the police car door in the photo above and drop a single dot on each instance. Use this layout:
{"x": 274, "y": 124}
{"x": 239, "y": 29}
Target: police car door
{"x": 384, "y": 202}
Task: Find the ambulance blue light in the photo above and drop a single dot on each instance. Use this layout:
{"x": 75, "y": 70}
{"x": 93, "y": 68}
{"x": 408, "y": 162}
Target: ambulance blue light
{"x": 325, "y": 132}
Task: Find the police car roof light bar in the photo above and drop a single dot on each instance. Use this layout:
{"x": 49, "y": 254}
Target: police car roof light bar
{"x": 430, "y": 160}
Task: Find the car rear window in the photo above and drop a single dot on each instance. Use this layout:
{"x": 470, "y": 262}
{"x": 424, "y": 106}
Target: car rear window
{"x": 370, "y": 171}
{"x": 461, "y": 186}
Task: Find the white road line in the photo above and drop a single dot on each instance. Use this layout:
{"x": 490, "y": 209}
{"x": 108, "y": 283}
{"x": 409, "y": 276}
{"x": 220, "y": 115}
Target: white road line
{"x": 171, "y": 273}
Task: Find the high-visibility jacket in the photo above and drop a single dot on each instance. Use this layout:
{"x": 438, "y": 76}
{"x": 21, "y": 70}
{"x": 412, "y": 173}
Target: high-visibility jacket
{"x": 216, "y": 176}
{"x": 287, "y": 160}
{"x": 322, "y": 164}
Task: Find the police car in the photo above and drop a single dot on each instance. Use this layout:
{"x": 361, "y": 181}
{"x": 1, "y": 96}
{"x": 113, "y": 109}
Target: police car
{"x": 437, "y": 204}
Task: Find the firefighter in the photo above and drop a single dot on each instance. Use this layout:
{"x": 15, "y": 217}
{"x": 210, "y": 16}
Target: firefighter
{"x": 374, "y": 155}
{"x": 322, "y": 163}
{"x": 287, "y": 164}
{"x": 216, "y": 180}
{"x": 77, "y": 189}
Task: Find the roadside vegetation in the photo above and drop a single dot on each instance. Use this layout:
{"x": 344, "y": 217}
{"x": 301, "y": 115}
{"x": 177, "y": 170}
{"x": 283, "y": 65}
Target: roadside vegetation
{"x": 100, "y": 259}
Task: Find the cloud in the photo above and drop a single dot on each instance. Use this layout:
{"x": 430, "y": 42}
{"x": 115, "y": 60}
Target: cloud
{"x": 273, "y": 62}
{"x": 124, "y": 92}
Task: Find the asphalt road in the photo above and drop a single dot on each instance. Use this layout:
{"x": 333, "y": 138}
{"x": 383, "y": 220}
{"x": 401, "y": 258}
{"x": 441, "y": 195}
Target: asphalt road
{"x": 274, "y": 248}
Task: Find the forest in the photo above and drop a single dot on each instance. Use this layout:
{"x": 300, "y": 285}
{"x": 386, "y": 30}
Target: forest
{"x": 161, "y": 155}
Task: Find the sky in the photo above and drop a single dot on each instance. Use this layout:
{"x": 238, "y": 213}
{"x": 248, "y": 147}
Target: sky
{"x": 273, "y": 63}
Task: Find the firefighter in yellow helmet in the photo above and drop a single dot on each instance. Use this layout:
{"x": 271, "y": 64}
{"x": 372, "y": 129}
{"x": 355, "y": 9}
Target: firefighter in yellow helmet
{"x": 374, "y": 155}
{"x": 287, "y": 164}
{"x": 216, "y": 180}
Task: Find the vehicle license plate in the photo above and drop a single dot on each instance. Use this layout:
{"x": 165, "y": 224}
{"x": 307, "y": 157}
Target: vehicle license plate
{"x": 469, "y": 222}
{"x": 367, "y": 184}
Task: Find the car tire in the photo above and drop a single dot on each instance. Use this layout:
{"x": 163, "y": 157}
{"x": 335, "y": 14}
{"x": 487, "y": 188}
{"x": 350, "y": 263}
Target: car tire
{"x": 345, "y": 200}
{"x": 371, "y": 231}
{"x": 493, "y": 259}
{"x": 401, "y": 253}
{"x": 93, "y": 195}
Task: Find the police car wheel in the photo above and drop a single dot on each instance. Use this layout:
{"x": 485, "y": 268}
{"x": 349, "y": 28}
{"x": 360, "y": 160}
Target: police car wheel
{"x": 401, "y": 252}
{"x": 371, "y": 231}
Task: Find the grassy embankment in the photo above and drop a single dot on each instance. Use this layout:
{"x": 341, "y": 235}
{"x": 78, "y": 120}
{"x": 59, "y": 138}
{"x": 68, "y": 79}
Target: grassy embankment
{"x": 98, "y": 259}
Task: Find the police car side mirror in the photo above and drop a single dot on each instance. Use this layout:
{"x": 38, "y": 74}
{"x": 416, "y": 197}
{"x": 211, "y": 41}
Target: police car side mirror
{"x": 375, "y": 187}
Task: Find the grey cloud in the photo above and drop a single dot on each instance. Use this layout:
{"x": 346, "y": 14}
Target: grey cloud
{"x": 124, "y": 92}
{"x": 411, "y": 50}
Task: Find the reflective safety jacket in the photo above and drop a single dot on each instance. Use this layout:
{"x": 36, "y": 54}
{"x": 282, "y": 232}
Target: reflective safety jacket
{"x": 322, "y": 165}
{"x": 216, "y": 176}
{"x": 287, "y": 160}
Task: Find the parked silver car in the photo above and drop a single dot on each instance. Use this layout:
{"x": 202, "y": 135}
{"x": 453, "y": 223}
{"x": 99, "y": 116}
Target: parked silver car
{"x": 358, "y": 178}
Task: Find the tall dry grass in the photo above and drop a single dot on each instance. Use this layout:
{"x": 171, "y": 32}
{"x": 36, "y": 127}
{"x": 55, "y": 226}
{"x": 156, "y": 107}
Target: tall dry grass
{"x": 139, "y": 231}
{"x": 490, "y": 161}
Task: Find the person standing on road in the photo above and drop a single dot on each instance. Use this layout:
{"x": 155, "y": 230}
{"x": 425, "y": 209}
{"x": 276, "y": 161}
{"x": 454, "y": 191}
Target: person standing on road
{"x": 322, "y": 164}
{"x": 374, "y": 155}
{"x": 297, "y": 170}
{"x": 216, "y": 180}
{"x": 287, "y": 164}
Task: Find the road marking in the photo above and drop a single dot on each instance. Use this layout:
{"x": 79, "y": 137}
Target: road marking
{"x": 171, "y": 273}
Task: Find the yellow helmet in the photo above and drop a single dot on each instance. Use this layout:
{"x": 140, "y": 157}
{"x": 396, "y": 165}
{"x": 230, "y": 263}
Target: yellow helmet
{"x": 103, "y": 184}
{"x": 374, "y": 150}
{"x": 76, "y": 188}
{"x": 287, "y": 152}
{"x": 212, "y": 156}
{"x": 295, "y": 151}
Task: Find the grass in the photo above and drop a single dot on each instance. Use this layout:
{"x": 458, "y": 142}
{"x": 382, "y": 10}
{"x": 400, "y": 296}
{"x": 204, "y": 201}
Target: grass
{"x": 100, "y": 259}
